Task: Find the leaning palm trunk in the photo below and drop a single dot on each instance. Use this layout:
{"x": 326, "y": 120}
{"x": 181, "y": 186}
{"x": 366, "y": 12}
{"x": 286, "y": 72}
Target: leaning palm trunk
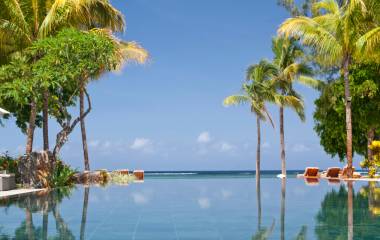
{"x": 258, "y": 149}
{"x": 31, "y": 127}
{"x": 346, "y": 64}
{"x": 83, "y": 129}
{"x": 45, "y": 116}
{"x": 282, "y": 141}
{"x": 84, "y": 213}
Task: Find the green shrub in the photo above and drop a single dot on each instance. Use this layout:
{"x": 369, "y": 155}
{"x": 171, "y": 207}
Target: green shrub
{"x": 118, "y": 178}
{"x": 61, "y": 176}
{"x": 374, "y": 164}
{"x": 9, "y": 164}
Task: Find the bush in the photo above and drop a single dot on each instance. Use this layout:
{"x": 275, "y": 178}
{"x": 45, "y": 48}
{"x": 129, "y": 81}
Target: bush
{"x": 9, "y": 164}
{"x": 372, "y": 165}
{"x": 61, "y": 176}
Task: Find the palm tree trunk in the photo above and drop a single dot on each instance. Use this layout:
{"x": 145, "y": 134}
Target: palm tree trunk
{"x": 29, "y": 224}
{"x": 283, "y": 194}
{"x": 84, "y": 213}
{"x": 350, "y": 212}
{"x": 258, "y": 192}
{"x": 83, "y": 129}
{"x": 45, "y": 221}
{"x": 31, "y": 127}
{"x": 258, "y": 148}
{"x": 282, "y": 141}
{"x": 370, "y": 137}
{"x": 45, "y": 116}
{"x": 347, "y": 94}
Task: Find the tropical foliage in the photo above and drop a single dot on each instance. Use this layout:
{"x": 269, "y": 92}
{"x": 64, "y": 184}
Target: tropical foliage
{"x": 338, "y": 35}
{"x": 24, "y": 27}
{"x": 329, "y": 115}
{"x": 373, "y": 164}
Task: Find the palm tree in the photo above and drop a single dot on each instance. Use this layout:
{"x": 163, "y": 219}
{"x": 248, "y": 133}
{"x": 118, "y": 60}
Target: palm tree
{"x": 123, "y": 52}
{"x": 256, "y": 94}
{"x": 286, "y": 53}
{"x": 23, "y": 22}
{"x": 339, "y": 35}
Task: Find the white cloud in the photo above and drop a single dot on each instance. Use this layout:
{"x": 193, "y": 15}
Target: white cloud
{"x": 204, "y": 203}
{"x": 204, "y": 137}
{"x": 94, "y": 143}
{"x": 226, "y": 147}
{"x": 143, "y": 144}
{"x": 299, "y": 147}
{"x": 106, "y": 144}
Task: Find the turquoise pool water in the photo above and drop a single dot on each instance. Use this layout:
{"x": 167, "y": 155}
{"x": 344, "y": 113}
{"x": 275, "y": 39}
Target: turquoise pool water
{"x": 204, "y": 207}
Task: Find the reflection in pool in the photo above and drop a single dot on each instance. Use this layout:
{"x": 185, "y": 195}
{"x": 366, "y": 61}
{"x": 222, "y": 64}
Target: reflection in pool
{"x": 192, "y": 208}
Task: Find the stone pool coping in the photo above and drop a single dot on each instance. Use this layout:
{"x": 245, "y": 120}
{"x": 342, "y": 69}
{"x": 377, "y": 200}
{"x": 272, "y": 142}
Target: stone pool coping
{"x": 18, "y": 192}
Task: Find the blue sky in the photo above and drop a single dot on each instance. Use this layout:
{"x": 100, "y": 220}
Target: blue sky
{"x": 168, "y": 114}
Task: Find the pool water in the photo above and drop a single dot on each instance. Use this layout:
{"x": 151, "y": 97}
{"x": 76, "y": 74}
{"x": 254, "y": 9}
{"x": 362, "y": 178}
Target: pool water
{"x": 219, "y": 207}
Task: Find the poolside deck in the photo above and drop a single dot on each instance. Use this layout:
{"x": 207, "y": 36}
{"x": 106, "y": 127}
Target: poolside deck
{"x": 17, "y": 192}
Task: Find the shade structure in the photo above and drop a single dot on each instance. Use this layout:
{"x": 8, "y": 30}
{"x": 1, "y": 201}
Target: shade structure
{"x": 3, "y": 112}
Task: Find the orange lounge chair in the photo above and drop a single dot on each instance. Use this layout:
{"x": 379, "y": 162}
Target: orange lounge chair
{"x": 332, "y": 172}
{"x": 310, "y": 172}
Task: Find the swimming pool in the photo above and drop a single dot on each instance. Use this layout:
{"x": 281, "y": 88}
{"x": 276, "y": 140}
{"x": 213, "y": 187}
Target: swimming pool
{"x": 191, "y": 207}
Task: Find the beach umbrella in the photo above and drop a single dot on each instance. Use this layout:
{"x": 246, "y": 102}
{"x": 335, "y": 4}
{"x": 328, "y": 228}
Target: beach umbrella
{"x": 3, "y": 112}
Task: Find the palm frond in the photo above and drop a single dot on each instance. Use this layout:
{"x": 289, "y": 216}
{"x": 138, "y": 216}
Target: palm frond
{"x": 16, "y": 15}
{"x": 326, "y": 6}
{"x": 311, "y": 82}
{"x": 314, "y": 35}
{"x": 82, "y": 13}
{"x": 369, "y": 42}
{"x": 236, "y": 100}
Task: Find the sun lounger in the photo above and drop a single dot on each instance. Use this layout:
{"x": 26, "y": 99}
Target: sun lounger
{"x": 332, "y": 172}
{"x": 139, "y": 174}
{"x": 310, "y": 172}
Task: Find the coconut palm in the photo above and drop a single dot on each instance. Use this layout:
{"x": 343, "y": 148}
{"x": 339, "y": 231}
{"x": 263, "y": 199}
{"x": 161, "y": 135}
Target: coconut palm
{"x": 339, "y": 35}
{"x": 286, "y": 55}
{"x": 256, "y": 93}
{"x": 23, "y": 22}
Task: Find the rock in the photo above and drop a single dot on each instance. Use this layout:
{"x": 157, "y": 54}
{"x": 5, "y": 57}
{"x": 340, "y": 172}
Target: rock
{"x": 36, "y": 169}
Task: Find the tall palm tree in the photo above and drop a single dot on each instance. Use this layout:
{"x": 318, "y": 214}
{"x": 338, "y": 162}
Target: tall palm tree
{"x": 339, "y": 35}
{"x": 286, "y": 53}
{"x": 256, "y": 94}
{"x": 259, "y": 90}
{"x": 123, "y": 52}
{"x": 23, "y": 22}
